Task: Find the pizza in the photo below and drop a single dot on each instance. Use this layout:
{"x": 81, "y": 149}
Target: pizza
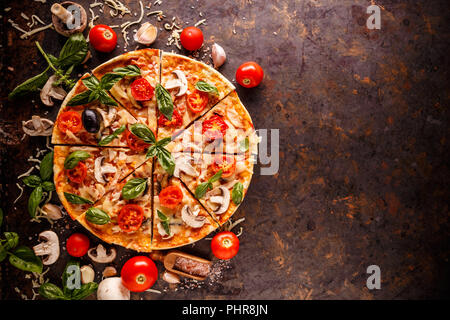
{"x": 153, "y": 150}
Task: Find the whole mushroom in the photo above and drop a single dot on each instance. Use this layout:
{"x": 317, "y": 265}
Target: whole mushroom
{"x": 49, "y": 91}
{"x": 112, "y": 289}
{"x": 63, "y": 20}
{"x": 191, "y": 217}
{"x": 49, "y": 247}
{"x": 38, "y": 126}
{"x": 100, "y": 255}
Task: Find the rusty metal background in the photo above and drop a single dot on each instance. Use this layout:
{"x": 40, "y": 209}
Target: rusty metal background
{"x": 364, "y": 139}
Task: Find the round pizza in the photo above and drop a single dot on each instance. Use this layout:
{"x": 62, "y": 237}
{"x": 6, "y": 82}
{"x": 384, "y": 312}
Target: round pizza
{"x": 153, "y": 150}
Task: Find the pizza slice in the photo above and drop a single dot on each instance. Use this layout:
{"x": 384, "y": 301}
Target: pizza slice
{"x": 178, "y": 218}
{"x": 90, "y": 123}
{"x": 219, "y": 181}
{"x": 226, "y": 128}
{"x": 84, "y": 174}
{"x": 124, "y": 216}
{"x": 192, "y": 87}
{"x": 136, "y": 90}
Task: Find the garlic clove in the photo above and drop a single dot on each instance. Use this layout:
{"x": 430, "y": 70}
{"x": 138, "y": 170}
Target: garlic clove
{"x": 109, "y": 272}
{"x": 52, "y": 211}
{"x": 87, "y": 274}
{"x": 170, "y": 277}
{"x": 146, "y": 34}
{"x": 218, "y": 55}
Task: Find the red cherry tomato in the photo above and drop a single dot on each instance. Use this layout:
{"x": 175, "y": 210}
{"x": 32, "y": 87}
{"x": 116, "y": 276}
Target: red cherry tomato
{"x": 77, "y": 245}
{"x": 70, "y": 120}
{"x": 142, "y": 90}
{"x": 197, "y": 101}
{"x": 139, "y": 274}
{"x": 170, "y": 197}
{"x": 191, "y": 38}
{"x": 249, "y": 74}
{"x": 176, "y": 121}
{"x": 214, "y": 128}
{"x": 77, "y": 174}
{"x": 225, "y": 163}
{"x": 225, "y": 245}
{"x": 103, "y": 38}
{"x": 134, "y": 143}
{"x": 130, "y": 217}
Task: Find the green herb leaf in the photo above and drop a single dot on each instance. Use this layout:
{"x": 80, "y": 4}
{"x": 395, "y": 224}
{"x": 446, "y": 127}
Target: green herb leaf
{"x": 143, "y": 132}
{"x": 166, "y": 160}
{"x": 91, "y": 83}
{"x": 74, "y": 51}
{"x": 108, "y": 139}
{"x": 134, "y": 188}
{"x": 97, "y": 216}
{"x": 75, "y": 199}
{"x": 12, "y": 240}
{"x": 130, "y": 71}
{"x": 32, "y": 181}
{"x": 30, "y": 85}
{"x": 164, "y": 100}
{"x": 202, "y": 188}
{"x": 164, "y": 142}
{"x": 164, "y": 221}
{"x": 109, "y": 80}
{"x": 34, "y": 201}
{"x": 52, "y": 292}
{"x": 206, "y": 87}
{"x": 86, "y": 290}
{"x": 3, "y": 253}
{"x": 46, "y": 167}
{"x": 75, "y": 157}
{"x": 244, "y": 145}
{"x": 152, "y": 152}
{"x": 48, "y": 186}
{"x": 237, "y": 193}
{"x": 81, "y": 98}
{"x": 106, "y": 99}
{"x": 69, "y": 275}
{"x": 23, "y": 258}
{"x": 216, "y": 177}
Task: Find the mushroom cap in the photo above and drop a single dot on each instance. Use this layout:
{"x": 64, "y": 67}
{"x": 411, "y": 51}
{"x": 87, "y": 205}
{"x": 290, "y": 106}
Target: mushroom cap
{"x": 61, "y": 27}
{"x": 38, "y": 126}
{"x": 191, "y": 219}
{"x": 101, "y": 256}
{"x": 48, "y": 248}
{"x": 112, "y": 289}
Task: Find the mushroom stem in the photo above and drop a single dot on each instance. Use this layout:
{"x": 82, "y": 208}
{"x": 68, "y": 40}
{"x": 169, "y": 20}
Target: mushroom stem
{"x": 62, "y": 13}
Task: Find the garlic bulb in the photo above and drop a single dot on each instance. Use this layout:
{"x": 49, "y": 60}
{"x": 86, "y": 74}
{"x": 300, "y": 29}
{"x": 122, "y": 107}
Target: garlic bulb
{"x": 146, "y": 34}
{"x": 218, "y": 55}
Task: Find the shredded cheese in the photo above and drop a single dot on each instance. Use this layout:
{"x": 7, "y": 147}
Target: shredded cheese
{"x": 127, "y": 24}
{"x": 200, "y": 22}
{"x": 21, "y": 192}
{"x": 26, "y": 34}
{"x": 23, "y": 15}
{"x": 118, "y": 8}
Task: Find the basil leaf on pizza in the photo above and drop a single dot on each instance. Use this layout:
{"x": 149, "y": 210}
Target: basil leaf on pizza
{"x": 108, "y": 139}
{"x": 75, "y": 199}
{"x": 216, "y": 177}
{"x": 97, "y": 216}
{"x": 109, "y": 80}
{"x": 206, "y": 87}
{"x": 75, "y": 157}
{"x": 129, "y": 71}
{"x": 143, "y": 132}
{"x": 237, "y": 193}
{"x": 202, "y": 188}
{"x": 134, "y": 188}
{"x": 165, "y": 221}
{"x": 164, "y": 101}
{"x": 91, "y": 83}
{"x": 166, "y": 160}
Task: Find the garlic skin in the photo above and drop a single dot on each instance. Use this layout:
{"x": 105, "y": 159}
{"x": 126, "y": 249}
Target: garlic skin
{"x": 218, "y": 55}
{"x": 146, "y": 34}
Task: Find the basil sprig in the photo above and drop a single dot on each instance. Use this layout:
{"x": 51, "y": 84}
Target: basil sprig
{"x": 75, "y": 157}
{"x": 165, "y": 221}
{"x": 164, "y": 101}
{"x": 75, "y": 199}
{"x": 134, "y": 188}
{"x": 237, "y": 193}
{"x": 108, "y": 139}
{"x": 202, "y": 188}
{"x": 97, "y": 216}
{"x": 143, "y": 132}
{"x": 97, "y": 89}
{"x": 206, "y": 87}
{"x": 20, "y": 257}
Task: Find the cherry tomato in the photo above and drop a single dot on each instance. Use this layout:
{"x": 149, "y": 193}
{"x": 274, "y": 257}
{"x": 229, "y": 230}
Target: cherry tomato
{"x": 77, "y": 174}
{"x": 139, "y": 274}
{"x": 103, "y": 38}
{"x": 197, "y": 101}
{"x": 170, "y": 197}
{"x": 176, "y": 121}
{"x": 70, "y": 120}
{"x": 214, "y": 128}
{"x": 191, "y": 38}
{"x": 130, "y": 217}
{"x": 77, "y": 245}
{"x": 134, "y": 143}
{"x": 249, "y": 74}
{"x": 225, "y": 245}
{"x": 142, "y": 90}
{"x": 226, "y": 163}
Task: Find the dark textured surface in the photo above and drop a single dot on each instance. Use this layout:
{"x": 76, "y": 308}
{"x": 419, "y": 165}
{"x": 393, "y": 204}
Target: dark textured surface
{"x": 363, "y": 119}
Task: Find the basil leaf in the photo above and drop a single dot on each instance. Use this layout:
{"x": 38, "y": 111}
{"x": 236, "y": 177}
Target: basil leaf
{"x": 143, "y": 132}
{"x": 1, "y": 216}
{"x": 134, "y": 188}
{"x": 32, "y": 181}
{"x": 97, "y": 216}
{"x": 53, "y": 60}
{"x": 86, "y": 290}
{"x": 244, "y": 145}
{"x": 74, "y": 51}
{"x": 66, "y": 275}
{"x": 164, "y": 221}
{"x": 202, "y": 188}
{"x": 75, "y": 157}
{"x": 106, "y": 99}
{"x": 81, "y": 98}
{"x": 109, "y": 80}
{"x": 164, "y": 142}
{"x": 130, "y": 70}
{"x": 164, "y": 100}
{"x": 206, "y": 87}
{"x": 91, "y": 83}
{"x": 30, "y": 85}
{"x": 46, "y": 167}
{"x": 23, "y": 258}
{"x": 108, "y": 139}
{"x": 34, "y": 200}
{"x": 216, "y": 177}
{"x": 237, "y": 193}
{"x": 151, "y": 152}
{"x": 52, "y": 292}
{"x": 166, "y": 160}
{"x": 48, "y": 186}
{"x": 3, "y": 253}
{"x": 73, "y": 198}
{"x": 12, "y": 240}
